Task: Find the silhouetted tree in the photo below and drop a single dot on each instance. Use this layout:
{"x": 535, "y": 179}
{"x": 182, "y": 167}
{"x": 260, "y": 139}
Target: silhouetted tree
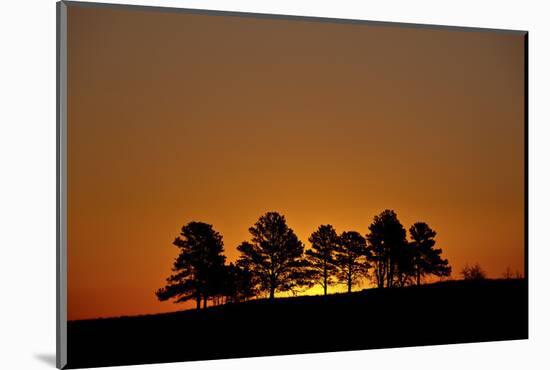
{"x": 217, "y": 284}
{"x": 351, "y": 258}
{"x": 507, "y": 274}
{"x": 474, "y": 272}
{"x": 404, "y": 262}
{"x": 387, "y": 243}
{"x": 324, "y": 242}
{"x": 239, "y": 283}
{"x": 274, "y": 255}
{"x": 197, "y": 269}
{"x": 426, "y": 260}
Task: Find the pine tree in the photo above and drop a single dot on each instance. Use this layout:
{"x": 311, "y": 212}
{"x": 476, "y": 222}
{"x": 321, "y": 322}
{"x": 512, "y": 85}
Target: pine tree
{"x": 351, "y": 258}
{"x": 387, "y": 243}
{"x": 426, "y": 259}
{"x": 197, "y": 267}
{"x": 274, "y": 255}
{"x": 324, "y": 243}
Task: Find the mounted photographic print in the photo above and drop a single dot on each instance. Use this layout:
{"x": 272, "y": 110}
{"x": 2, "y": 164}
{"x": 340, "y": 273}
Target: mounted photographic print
{"x": 235, "y": 185}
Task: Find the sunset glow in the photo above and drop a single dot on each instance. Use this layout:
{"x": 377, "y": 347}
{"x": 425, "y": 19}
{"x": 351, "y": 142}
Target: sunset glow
{"x": 176, "y": 117}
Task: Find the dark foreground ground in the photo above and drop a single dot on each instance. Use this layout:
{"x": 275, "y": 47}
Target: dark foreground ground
{"x": 443, "y": 313}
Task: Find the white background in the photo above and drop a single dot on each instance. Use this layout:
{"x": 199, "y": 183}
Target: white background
{"x": 27, "y": 182}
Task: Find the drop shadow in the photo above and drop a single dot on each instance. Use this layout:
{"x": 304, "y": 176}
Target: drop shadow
{"x": 47, "y": 358}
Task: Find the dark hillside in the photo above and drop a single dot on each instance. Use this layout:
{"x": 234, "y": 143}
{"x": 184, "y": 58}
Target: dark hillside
{"x": 442, "y": 313}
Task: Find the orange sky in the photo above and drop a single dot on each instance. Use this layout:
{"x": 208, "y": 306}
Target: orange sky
{"x": 176, "y": 117}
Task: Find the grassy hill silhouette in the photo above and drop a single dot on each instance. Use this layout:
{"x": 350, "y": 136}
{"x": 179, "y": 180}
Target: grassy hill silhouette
{"x": 439, "y": 313}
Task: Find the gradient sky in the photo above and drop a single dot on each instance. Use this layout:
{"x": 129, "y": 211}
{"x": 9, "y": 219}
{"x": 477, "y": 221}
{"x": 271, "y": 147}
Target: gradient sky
{"x": 176, "y": 117}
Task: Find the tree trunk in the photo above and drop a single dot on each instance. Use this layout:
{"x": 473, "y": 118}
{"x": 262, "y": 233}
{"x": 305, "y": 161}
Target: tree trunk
{"x": 418, "y": 277}
{"x": 325, "y": 277}
{"x": 272, "y": 280}
{"x": 198, "y": 298}
{"x": 380, "y": 274}
{"x": 389, "y": 282}
{"x": 349, "y": 282}
{"x": 204, "y": 302}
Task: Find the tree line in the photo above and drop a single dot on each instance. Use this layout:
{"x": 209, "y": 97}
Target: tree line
{"x": 275, "y": 260}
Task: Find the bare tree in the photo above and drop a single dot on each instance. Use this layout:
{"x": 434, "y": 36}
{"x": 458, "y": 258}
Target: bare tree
{"x": 507, "y": 274}
{"x": 474, "y": 272}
